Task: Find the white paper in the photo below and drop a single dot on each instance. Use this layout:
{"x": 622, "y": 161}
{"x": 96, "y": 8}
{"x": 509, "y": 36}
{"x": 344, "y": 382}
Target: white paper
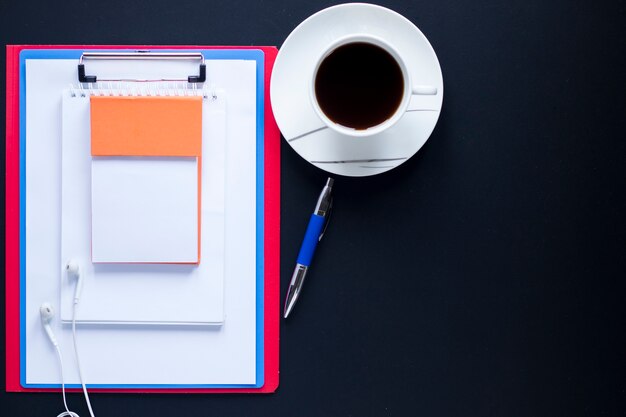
{"x": 144, "y": 209}
{"x": 141, "y": 354}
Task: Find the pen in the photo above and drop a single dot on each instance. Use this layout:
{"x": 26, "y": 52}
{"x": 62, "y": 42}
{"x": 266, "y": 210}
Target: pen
{"x": 314, "y": 232}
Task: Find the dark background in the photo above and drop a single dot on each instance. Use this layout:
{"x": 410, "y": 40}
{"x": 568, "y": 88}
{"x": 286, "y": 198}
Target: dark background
{"x": 485, "y": 276}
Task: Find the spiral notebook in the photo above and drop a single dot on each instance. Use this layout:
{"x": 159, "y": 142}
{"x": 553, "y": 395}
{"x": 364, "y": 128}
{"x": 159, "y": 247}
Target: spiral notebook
{"x": 132, "y": 187}
{"x": 161, "y": 176}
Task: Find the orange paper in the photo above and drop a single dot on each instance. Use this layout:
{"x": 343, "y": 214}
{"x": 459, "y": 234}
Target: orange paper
{"x": 146, "y": 126}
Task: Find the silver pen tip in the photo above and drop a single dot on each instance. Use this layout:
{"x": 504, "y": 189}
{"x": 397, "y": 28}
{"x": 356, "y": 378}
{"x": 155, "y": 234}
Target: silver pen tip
{"x": 330, "y": 182}
{"x": 288, "y": 306}
{"x": 292, "y": 296}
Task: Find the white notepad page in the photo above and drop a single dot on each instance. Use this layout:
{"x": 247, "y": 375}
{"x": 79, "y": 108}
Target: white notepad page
{"x": 120, "y": 354}
{"x": 144, "y": 209}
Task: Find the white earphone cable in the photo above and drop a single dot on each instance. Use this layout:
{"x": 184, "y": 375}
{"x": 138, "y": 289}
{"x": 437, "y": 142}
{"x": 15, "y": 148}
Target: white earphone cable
{"x": 46, "y": 316}
{"x": 67, "y": 411}
{"x": 80, "y": 372}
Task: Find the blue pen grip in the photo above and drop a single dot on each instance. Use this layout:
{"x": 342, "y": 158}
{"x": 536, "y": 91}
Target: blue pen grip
{"x": 311, "y": 237}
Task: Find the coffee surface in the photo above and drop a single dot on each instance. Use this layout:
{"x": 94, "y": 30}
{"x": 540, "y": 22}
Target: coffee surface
{"x": 359, "y": 85}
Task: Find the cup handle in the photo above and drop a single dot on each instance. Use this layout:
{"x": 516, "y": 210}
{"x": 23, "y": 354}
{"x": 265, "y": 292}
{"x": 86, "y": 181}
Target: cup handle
{"x": 424, "y": 90}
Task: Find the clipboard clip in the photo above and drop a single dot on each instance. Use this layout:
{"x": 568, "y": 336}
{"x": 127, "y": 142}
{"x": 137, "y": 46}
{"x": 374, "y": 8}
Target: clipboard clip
{"x": 142, "y": 55}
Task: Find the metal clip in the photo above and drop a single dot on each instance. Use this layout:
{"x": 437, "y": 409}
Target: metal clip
{"x": 330, "y": 212}
{"x": 144, "y": 55}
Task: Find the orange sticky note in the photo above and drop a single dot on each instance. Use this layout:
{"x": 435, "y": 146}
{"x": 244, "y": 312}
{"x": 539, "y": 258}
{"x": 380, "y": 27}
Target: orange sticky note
{"x": 146, "y": 126}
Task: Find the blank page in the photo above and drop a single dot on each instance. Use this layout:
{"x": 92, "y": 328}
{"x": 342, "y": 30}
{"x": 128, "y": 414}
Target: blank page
{"x": 144, "y": 209}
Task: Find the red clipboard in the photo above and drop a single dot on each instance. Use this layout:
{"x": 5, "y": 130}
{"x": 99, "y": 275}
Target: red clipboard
{"x": 12, "y": 221}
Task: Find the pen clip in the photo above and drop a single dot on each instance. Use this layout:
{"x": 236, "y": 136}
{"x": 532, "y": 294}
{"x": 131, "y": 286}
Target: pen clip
{"x": 329, "y": 213}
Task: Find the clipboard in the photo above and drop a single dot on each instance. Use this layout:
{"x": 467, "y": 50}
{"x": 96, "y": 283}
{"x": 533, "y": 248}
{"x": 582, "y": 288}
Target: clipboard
{"x": 267, "y": 215}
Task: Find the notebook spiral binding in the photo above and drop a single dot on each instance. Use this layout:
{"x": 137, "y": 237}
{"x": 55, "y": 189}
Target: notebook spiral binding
{"x": 131, "y": 89}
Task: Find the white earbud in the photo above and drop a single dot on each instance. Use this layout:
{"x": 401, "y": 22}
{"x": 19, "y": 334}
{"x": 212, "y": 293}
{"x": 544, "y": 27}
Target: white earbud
{"x": 73, "y": 269}
{"x": 47, "y": 313}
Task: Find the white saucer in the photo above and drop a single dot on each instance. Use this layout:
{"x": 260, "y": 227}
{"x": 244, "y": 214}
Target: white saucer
{"x": 305, "y": 131}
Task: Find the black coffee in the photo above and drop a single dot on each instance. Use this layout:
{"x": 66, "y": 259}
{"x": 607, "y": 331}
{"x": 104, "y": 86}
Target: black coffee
{"x": 359, "y": 85}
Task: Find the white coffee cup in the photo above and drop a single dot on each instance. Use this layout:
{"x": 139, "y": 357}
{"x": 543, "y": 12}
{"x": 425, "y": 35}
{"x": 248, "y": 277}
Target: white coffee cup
{"x": 409, "y": 89}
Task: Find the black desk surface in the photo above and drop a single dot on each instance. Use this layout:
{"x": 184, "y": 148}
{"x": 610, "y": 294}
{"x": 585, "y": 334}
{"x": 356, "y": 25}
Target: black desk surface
{"x": 482, "y": 277}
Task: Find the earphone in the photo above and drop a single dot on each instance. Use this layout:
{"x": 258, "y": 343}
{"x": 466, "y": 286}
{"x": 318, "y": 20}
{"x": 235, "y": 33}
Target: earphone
{"x": 46, "y": 312}
{"x": 73, "y": 270}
